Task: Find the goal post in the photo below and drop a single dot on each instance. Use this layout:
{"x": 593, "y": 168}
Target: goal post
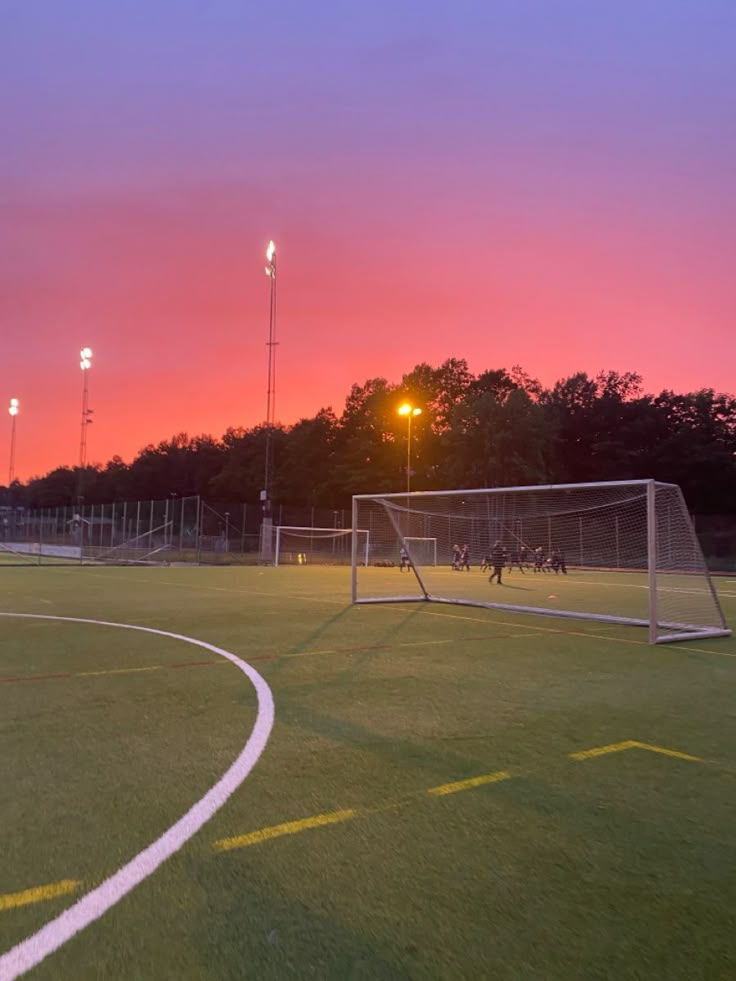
{"x": 622, "y": 552}
{"x": 296, "y": 545}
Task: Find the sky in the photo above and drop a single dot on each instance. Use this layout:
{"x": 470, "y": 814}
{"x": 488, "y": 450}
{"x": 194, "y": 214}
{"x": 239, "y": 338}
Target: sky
{"x": 550, "y": 183}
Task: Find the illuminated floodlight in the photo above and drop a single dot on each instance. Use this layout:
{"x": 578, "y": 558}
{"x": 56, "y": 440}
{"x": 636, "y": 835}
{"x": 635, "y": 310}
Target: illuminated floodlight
{"x": 270, "y": 251}
{"x": 408, "y": 410}
{"x": 14, "y": 407}
{"x": 85, "y": 358}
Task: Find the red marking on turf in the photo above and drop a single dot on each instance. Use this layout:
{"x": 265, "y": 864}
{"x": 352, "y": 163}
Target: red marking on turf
{"x": 35, "y": 677}
{"x": 261, "y": 657}
{"x": 190, "y": 664}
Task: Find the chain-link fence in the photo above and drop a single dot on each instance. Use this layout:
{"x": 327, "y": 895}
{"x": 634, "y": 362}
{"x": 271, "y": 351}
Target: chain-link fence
{"x": 174, "y": 530}
{"x": 192, "y": 530}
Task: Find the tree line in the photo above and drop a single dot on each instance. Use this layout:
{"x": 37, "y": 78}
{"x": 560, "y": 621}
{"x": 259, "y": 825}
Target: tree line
{"x": 497, "y": 428}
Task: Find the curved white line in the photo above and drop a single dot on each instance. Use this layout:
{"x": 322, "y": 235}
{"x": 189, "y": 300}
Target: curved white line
{"x": 30, "y": 952}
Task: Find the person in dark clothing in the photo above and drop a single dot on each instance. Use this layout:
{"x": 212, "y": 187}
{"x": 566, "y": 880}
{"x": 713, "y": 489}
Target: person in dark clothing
{"x": 555, "y": 561}
{"x": 405, "y": 561}
{"x": 465, "y": 558}
{"x": 498, "y": 561}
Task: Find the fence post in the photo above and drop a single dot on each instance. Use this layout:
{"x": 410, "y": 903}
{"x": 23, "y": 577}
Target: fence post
{"x": 199, "y": 530}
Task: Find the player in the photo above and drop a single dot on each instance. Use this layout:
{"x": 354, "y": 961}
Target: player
{"x": 404, "y": 560}
{"x": 464, "y": 559}
{"x": 515, "y": 560}
{"x": 498, "y": 561}
{"x": 455, "y": 558}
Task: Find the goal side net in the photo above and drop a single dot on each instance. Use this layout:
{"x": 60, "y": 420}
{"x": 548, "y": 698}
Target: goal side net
{"x": 619, "y": 552}
{"x": 294, "y": 545}
{"x": 152, "y": 547}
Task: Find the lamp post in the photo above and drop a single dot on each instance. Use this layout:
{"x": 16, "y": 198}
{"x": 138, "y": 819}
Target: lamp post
{"x": 409, "y": 411}
{"x": 271, "y": 385}
{"x": 13, "y": 410}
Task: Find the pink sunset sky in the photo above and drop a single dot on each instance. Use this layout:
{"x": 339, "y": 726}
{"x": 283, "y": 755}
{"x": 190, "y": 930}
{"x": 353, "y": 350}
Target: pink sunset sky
{"x": 548, "y": 183}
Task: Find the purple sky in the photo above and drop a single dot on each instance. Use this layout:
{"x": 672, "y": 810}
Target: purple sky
{"x": 544, "y": 183}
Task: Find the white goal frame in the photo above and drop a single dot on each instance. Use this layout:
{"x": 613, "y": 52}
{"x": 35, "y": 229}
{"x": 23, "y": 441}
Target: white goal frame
{"x": 670, "y": 625}
{"x": 325, "y": 534}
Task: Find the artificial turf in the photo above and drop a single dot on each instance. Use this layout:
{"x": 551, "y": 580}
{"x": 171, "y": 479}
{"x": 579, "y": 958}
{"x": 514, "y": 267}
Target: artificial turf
{"x": 611, "y": 866}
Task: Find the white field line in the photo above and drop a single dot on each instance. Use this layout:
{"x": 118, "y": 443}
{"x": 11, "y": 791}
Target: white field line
{"x": 34, "y": 949}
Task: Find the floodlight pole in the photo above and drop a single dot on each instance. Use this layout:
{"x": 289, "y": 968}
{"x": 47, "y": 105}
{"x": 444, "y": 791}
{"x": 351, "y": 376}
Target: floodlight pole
{"x": 85, "y": 363}
{"x": 13, "y": 410}
{"x": 267, "y": 523}
{"x": 271, "y": 383}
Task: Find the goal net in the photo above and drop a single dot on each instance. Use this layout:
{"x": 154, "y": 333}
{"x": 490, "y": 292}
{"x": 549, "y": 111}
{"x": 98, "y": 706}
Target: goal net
{"x": 323, "y": 546}
{"x": 619, "y": 552}
{"x": 153, "y": 547}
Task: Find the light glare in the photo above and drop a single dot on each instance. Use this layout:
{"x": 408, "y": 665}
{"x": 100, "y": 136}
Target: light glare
{"x": 14, "y": 406}
{"x": 270, "y": 251}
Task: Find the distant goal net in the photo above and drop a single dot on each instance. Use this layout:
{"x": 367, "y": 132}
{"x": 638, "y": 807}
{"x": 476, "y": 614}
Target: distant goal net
{"x": 621, "y": 552}
{"x": 319, "y": 546}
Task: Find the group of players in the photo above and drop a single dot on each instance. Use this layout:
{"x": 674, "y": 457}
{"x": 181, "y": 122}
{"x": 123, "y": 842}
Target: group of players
{"x": 500, "y": 558}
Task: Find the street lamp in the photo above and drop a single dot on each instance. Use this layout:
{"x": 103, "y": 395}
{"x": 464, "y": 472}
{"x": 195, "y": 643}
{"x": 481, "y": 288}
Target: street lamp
{"x": 409, "y": 411}
{"x": 13, "y": 410}
{"x": 271, "y": 385}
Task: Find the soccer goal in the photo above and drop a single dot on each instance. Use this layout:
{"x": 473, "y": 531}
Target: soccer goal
{"x": 423, "y": 550}
{"x": 324, "y": 546}
{"x": 621, "y": 552}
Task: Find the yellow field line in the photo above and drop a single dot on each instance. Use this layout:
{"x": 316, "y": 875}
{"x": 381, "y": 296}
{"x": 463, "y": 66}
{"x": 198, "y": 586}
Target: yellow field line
{"x": 454, "y": 788}
{"x": 40, "y": 893}
{"x": 91, "y": 674}
{"x": 289, "y": 828}
{"x": 669, "y": 752}
{"x": 588, "y": 754}
{"x": 577, "y": 633}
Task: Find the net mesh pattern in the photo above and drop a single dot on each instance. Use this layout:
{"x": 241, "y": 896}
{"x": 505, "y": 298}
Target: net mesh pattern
{"x": 566, "y": 550}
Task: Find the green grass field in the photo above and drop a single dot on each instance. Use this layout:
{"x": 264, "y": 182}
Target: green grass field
{"x": 426, "y": 806}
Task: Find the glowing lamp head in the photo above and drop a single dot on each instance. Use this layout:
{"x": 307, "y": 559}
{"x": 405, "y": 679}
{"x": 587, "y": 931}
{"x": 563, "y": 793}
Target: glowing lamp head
{"x": 408, "y": 410}
{"x": 85, "y": 358}
{"x": 14, "y": 407}
{"x": 270, "y": 251}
